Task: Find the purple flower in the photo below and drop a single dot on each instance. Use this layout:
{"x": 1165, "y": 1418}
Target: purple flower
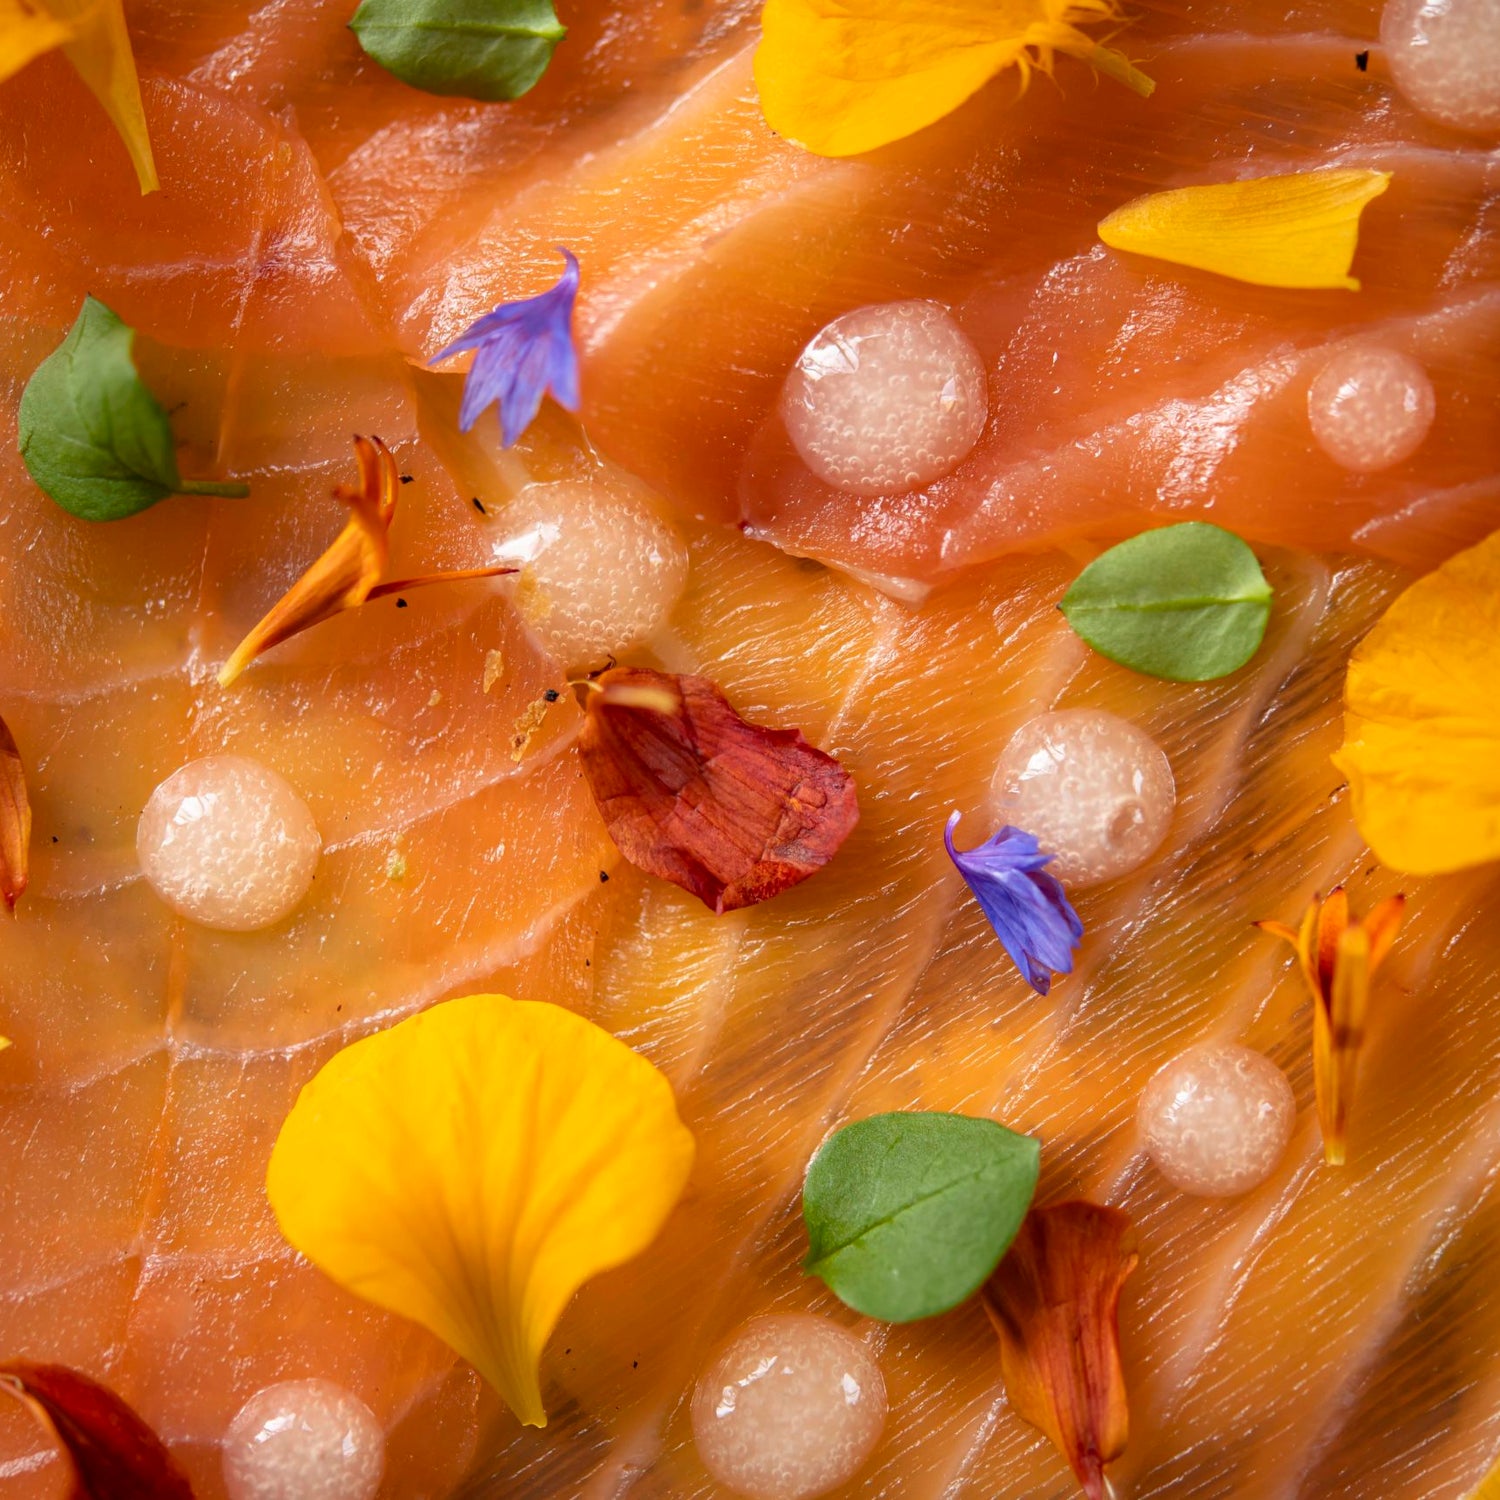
{"x": 523, "y": 349}
{"x": 1027, "y": 907}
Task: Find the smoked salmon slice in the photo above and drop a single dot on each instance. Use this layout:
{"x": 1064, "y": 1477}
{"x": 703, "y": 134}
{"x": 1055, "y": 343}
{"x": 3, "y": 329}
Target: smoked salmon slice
{"x": 322, "y": 231}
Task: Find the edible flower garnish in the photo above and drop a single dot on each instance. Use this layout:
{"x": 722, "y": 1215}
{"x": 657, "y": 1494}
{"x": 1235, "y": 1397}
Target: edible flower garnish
{"x": 522, "y": 350}
{"x": 1295, "y": 230}
{"x": 1055, "y": 1304}
{"x": 15, "y": 822}
{"x": 908, "y": 1213}
{"x": 690, "y": 792}
{"x": 473, "y": 1166}
{"x": 1338, "y": 957}
{"x": 1421, "y": 744}
{"x": 348, "y": 573}
{"x": 113, "y": 1454}
{"x": 92, "y": 34}
{"x": 844, "y": 76}
{"x": 1027, "y": 907}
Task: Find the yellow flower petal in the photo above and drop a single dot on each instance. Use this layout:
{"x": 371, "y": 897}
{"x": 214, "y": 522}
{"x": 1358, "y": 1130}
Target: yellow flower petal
{"x": 1422, "y": 721}
{"x": 844, "y": 76}
{"x": 1298, "y": 230}
{"x": 100, "y": 50}
{"x": 471, "y": 1167}
{"x": 27, "y": 30}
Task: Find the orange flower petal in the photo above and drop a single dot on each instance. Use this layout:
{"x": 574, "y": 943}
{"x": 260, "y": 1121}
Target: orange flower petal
{"x": 15, "y": 822}
{"x": 1054, "y": 1302}
{"x": 348, "y": 573}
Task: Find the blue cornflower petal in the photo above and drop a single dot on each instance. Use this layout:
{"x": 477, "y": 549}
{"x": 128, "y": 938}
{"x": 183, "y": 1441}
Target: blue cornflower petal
{"x": 1028, "y": 908}
{"x": 522, "y": 350}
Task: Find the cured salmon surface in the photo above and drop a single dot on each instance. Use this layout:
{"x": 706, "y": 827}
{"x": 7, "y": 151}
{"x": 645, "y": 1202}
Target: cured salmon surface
{"x": 321, "y": 231}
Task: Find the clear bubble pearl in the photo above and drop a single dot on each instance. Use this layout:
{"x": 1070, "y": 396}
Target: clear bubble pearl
{"x": 303, "y": 1440}
{"x": 792, "y": 1406}
{"x": 601, "y": 567}
{"x": 1443, "y": 56}
{"x": 1216, "y": 1120}
{"x": 1370, "y": 407}
{"x": 1095, "y": 791}
{"x": 228, "y": 843}
{"x": 886, "y": 398}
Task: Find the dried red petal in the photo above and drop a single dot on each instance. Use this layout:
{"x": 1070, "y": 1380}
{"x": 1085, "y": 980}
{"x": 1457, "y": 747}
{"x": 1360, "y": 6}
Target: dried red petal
{"x": 15, "y": 822}
{"x": 733, "y": 812}
{"x": 115, "y": 1455}
{"x": 1054, "y": 1301}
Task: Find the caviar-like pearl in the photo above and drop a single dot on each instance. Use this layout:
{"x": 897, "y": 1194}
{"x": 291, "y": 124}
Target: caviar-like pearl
{"x": 303, "y": 1440}
{"x": 1217, "y": 1119}
{"x": 791, "y": 1406}
{"x": 228, "y": 843}
{"x": 886, "y": 398}
{"x": 1096, "y": 792}
{"x": 601, "y": 568}
{"x": 1370, "y": 407}
{"x": 1443, "y": 55}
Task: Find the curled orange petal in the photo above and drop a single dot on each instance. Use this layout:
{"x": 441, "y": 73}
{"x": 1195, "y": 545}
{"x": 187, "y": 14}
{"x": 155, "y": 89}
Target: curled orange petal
{"x": 1338, "y": 956}
{"x": 15, "y": 822}
{"x": 1054, "y": 1302}
{"x": 349, "y": 572}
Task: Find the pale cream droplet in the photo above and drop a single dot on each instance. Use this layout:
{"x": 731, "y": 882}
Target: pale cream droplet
{"x": 1216, "y": 1120}
{"x": 792, "y": 1406}
{"x": 228, "y": 843}
{"x": 1096, "y": 792}
{"x": 887, "y": 398}
{"x": 303, "y": 1440}
{"x": 1443, "y": 55}
{"x": 1370, "y": 407}
{"x": 601, "y": 567}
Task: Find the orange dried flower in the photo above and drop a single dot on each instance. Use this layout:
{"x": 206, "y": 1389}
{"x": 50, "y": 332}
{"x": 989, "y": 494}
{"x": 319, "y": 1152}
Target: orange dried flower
{"x": 1054, "y": 1301}
{"x": 348, "y": 573}
{"x": 15, "y": 822}
{"x": 1338, "y": 957}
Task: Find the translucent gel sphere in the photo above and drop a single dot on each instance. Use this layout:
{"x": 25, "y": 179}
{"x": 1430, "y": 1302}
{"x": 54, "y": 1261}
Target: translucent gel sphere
{"x": 1443, "y": 56}
{"x": 886, "y": 398}
{"x": 1217, "y": 1119}
{"x": 228, "y": 843}
{"x": 1096, "y": 792}
{"x": 303, "y": 1440}
{"x": 791, "y": 1406}
{"x": 1370, "y": 407}
{"x": 601, "y": 568}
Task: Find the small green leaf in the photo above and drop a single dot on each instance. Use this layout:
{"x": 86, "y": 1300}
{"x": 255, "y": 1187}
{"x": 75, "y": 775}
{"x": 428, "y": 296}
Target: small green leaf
{"x": 907, "y": 1214}
{"x": 1187, "y": 603}
{"x": 92, "y": 435}
{"x": 480, "y": 49}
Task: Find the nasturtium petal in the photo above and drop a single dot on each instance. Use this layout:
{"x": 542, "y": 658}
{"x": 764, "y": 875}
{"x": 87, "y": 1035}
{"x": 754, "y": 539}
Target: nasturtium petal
{"x": 844, "y": 76}
{"x": 471, "y": 1167}
{"x": 1299, "y": 229}
{"x": 1421, "y": 744}
{"x": 27, "y": 29}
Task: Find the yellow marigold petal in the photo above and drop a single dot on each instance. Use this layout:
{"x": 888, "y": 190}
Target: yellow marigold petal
{"x": 27, "y": 30}
{"x": 844, "y": 76}
{"x": 1422, "y": 721}
{"x": 471, "y": 1167}
{"x": 100, "y": 50}
{"x": 1297, "y": 230}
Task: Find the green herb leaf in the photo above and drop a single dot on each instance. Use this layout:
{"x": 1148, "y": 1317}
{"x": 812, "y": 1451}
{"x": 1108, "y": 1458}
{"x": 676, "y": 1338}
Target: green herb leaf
{"x": 92, "y": 435}
{"x": 480, "y": 49}
{"x": 907, "y": 1214}
{"x": 1187, "y": 603}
